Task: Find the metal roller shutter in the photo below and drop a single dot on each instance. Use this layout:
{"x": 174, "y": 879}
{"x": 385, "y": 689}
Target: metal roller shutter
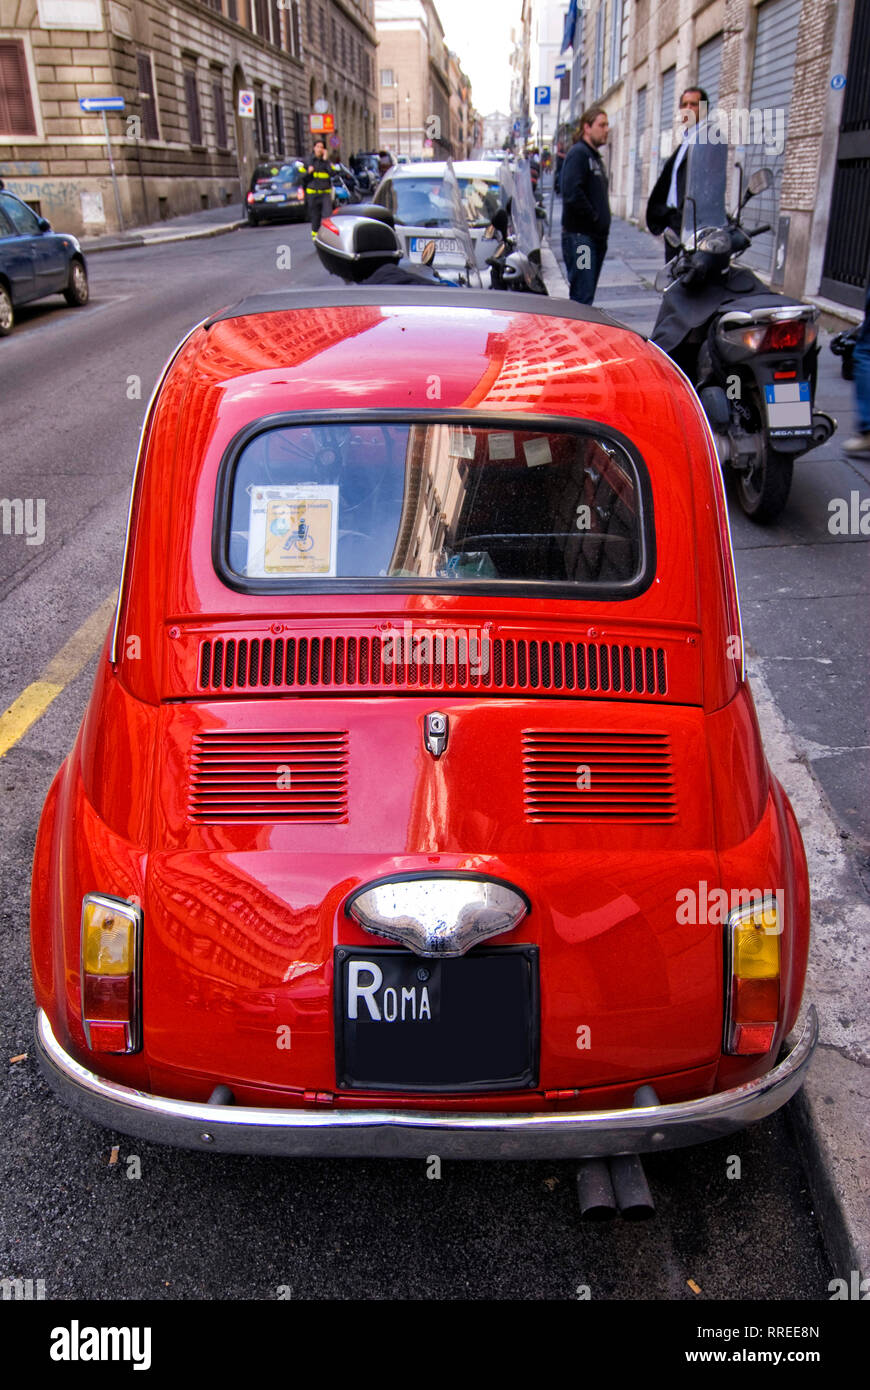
{"x": 710, "y": 68}
{"x": 667, "y": 115}
{"x": 772, "y": 80}
{"x": 639, "y": 129}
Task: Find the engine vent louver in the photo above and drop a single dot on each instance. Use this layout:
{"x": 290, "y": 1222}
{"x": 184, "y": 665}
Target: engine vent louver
{"x": 269, "y": 777}
{"x": 448, "y": 662}
{"x": 621, "y": 778}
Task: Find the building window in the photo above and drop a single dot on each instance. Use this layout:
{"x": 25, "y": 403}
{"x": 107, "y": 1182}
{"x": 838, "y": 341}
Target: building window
{"x": 261, "y": 132}
{"x": 388, "y": 112}
{"x": 598, "y": 76}
{"x": 220, "y": 112}
{"x": 194, "y": 115}
{"x": 233, "y": 10}
{"x": 278, "y": 123}
{"x": 322, "y": 29}
{"x": 387, "y": 77}
{"x": 145, "y": 77}
{"x": 261, "y": 8}
{"x": 309, "y": 20}
{"x": 334, "y": 39}
{"x": 615, "y": 39}
{"x": 293, "y": 36}
{"x": 276, "y": 23}
{"x": 16, "y": 106}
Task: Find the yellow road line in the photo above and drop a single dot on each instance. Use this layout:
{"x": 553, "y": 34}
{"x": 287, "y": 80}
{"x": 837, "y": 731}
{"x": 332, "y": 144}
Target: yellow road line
{"x": 64, "y": 666}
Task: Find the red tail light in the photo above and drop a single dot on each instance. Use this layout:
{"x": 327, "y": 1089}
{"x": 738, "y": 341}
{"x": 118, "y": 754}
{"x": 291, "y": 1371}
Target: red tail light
{"x": 782, "y": 336}
{"x": 329, "y": 225}
{"x": 250, "y": 197}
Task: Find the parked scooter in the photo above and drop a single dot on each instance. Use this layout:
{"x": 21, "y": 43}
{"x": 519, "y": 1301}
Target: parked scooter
{"x": 360, "y": 245}
{"x": 750, "y": 353}
{"x": 515, "y": 264}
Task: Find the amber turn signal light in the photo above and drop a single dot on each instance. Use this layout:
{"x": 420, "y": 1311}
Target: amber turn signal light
{"x": 111, "y": 949}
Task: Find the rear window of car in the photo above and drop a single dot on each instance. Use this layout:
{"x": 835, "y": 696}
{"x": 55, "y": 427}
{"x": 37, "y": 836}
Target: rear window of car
{"x": 433, "y": 505}
{"x": 292, "y": 174}
{"x": 418, "y": 201}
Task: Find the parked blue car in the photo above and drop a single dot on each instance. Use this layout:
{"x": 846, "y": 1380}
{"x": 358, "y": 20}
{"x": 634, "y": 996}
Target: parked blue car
{"x": 35, "y": 261}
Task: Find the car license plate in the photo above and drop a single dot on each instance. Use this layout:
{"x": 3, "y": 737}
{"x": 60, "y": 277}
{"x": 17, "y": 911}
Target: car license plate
{"x": 406, "y": 1023}
{"x": 789, "y": 409}
{"x": 274, "y": 197}
{"x": 444, "y": 245}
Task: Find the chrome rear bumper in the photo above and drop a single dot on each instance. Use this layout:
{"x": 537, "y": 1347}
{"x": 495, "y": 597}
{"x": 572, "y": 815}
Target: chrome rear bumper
{"x": 337, "y": 1133}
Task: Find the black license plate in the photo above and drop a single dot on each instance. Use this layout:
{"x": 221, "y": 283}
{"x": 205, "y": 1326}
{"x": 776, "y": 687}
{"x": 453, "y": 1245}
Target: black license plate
{"x": 405, "y": 1023}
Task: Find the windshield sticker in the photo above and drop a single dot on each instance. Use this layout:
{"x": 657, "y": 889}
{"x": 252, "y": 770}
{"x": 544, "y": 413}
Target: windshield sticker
{"x": 293, "y": 531}
{"x": 537, "y": 451}
{"x": 462, "y": 444}
{"x": 501, "y": 446}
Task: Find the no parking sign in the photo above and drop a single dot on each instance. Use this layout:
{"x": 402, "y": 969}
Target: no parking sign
{"x": 246, "y": 103}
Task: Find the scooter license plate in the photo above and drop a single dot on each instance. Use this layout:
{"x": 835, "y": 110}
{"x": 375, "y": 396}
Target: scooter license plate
{"x": 444, "y": 245}
{"x": 789, "y": 408}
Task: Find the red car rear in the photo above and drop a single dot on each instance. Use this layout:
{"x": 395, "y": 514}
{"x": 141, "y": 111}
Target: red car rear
{"x": 420, "y": 799}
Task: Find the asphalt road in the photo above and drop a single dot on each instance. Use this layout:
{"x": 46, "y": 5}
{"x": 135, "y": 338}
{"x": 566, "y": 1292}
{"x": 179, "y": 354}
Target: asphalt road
{"x": 192, "y": 1226}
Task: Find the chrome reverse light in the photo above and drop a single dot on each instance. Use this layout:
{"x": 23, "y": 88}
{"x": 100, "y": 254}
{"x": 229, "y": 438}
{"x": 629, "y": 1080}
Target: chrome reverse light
{"x": 436, "y": 915}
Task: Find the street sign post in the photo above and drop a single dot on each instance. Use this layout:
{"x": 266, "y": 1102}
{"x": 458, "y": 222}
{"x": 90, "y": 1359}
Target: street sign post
{"x": 542, "y": 101}
{"x": 321, "y": 123}
{"x": 101, "y": 105}
{"x": 563, "y": 80}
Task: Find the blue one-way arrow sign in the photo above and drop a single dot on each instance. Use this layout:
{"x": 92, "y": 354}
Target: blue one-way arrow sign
{"x": 101, "y": 103}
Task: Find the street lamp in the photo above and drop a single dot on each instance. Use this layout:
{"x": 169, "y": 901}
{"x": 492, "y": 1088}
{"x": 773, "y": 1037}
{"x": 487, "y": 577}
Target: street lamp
{"x": 398, "y": 125}
{"x": 408, "y": 110}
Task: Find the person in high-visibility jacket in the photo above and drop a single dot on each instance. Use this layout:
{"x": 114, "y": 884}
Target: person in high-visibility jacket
{"x": 318, "y": 187}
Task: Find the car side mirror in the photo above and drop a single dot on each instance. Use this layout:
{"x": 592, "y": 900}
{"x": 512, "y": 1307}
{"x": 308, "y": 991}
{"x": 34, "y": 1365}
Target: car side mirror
{"x": 43, "y": 224}
{"x": 671, "y": 237}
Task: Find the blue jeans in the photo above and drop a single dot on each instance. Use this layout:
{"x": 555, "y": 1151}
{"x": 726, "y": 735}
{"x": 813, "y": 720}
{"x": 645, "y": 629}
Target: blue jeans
{"x": 861, "y": 363}
{"x": 582, "y": 278}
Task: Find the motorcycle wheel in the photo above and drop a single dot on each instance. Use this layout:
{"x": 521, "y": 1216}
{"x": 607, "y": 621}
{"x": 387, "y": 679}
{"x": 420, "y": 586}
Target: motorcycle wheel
{"x": 763, "y": 491}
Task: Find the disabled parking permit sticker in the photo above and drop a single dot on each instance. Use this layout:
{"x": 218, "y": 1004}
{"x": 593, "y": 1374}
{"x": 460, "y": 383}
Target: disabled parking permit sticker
{"x": 293, "y": 531}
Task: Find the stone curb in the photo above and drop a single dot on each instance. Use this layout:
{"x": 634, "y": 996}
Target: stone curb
{"x": 136, "y": 239}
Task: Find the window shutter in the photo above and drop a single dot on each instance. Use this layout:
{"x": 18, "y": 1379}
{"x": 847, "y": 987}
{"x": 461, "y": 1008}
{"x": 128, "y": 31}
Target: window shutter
{"x": 194, "y": 120}
{"x": 16, "y": 107}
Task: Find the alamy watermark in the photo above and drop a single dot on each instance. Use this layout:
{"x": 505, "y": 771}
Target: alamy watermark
{"x": 442, "y": 646}
{"x": 23, "y": 517}
{"x": 740, "y": 127}
{"x": 704, "y": 906}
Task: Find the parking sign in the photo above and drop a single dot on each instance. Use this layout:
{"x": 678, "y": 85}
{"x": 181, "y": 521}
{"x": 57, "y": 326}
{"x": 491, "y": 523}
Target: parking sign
{"x": 542, "y": 96}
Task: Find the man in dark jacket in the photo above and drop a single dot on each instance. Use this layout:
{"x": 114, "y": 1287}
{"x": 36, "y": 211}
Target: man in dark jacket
{"x": 665, "y": 205}
{"x": 585, "y": 207}
{"x": 318, "y": 187}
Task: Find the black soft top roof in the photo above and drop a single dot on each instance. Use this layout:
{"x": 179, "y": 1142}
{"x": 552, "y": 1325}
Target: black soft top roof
{"x": 412, "y": 296}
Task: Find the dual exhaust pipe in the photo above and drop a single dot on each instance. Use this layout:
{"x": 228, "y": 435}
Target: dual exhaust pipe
{"x": 608, "y": 1185}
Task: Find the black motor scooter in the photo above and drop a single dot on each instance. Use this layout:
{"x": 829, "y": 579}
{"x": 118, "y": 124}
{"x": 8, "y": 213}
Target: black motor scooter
{"x": 750, "y": 353}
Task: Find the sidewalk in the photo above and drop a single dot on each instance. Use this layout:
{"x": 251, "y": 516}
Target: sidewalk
{"x": 193, "y": 225}
{"x": 832, "y": 1111}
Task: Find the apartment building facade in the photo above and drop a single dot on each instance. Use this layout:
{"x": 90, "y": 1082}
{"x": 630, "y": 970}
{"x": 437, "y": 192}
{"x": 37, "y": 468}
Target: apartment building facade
{"x": 424, "y": 112}
{"x": 789, "y": 84}
{"x": 210, "y": 87}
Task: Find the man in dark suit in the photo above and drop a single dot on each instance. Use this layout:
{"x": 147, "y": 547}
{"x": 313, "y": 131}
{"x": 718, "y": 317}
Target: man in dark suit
{"x": 665, "y": 205}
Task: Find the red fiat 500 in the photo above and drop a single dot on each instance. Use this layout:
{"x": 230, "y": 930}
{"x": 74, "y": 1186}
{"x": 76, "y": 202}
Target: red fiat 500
{"x": 420, "y": 804}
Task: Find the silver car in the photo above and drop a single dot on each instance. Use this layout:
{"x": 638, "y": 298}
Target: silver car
{"x": 424, "y": 211}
